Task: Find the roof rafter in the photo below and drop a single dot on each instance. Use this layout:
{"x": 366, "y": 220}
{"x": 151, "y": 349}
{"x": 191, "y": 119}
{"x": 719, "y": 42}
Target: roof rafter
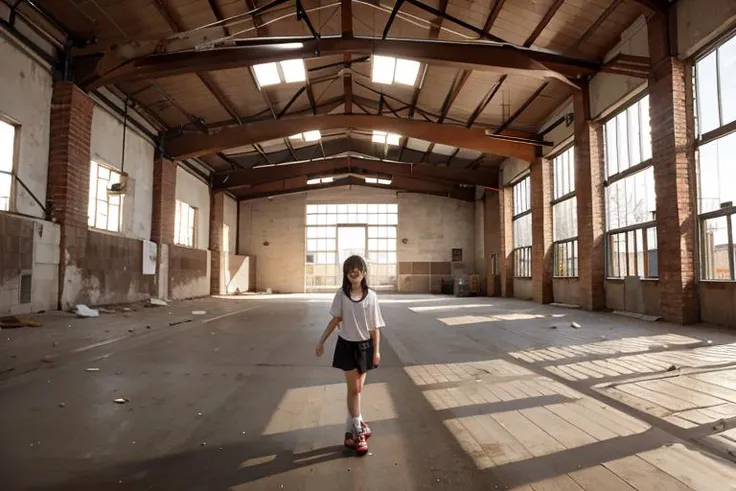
{"x": 478, "y": 56}
{"x": 192, "y": 145}
{"x": 544, "y": 22}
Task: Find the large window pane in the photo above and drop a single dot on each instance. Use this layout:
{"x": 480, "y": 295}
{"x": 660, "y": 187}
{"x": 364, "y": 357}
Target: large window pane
{"x": 6, "y": 181}
{"x": 622, "y": 142}
{"x": 716, "y": 249}
{"x": 521, "y": 196}
{"x": 565, "y": 219}
{"x": 717, "y": 166}
{"x": 523, "y": 231}
{"x": 631, "y": 201}
{"x": 611, "y": 150}
{"x": 645, "y": 127}
{"x": 707, "y": 94}
{"x": 727, "y": 77}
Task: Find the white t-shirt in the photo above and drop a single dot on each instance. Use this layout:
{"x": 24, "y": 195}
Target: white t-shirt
{"x": 358, "y": 317}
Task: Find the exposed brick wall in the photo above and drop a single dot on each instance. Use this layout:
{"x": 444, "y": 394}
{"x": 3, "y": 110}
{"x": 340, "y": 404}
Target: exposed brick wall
{"x": 164, "y": 201}
{"x": 589, "y": 173}
{"x": 69, "y": 154}
{"x": 541, "y": 231}
{"x": 506, "y": 260}
{"x": 492, "y": 241}
{"x": 69, "y": 166}
{"x": 674, "y": 181}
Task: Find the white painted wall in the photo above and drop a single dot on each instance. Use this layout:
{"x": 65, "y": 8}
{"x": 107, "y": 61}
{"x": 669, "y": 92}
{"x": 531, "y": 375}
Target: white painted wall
{"x": 433, "y": 226}
{"x": 280, "y": 222}
{"x": 563, "y": 133}
{"x": 107, "y": 148}
{"x": 195, "y": 193}
{"x": 512, "y": 170}
{"x": 352, "y": 194}
{"x": 480, "y": 250}
{"x": 231, "y": 220}
{"x": 25, "y": 98}
{"x": 699, "y": 23}
{"x": 609, "y": 90}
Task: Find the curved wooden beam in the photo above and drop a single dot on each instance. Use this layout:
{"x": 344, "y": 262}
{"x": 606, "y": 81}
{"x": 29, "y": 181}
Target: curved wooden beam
{"x": 198, "y": 144}
{"x": 236, "y": 179}
{"x": 504, "y": 59}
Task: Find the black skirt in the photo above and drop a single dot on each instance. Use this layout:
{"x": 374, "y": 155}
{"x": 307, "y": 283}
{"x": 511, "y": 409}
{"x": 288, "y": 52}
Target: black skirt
{"x": 352, "y": 355}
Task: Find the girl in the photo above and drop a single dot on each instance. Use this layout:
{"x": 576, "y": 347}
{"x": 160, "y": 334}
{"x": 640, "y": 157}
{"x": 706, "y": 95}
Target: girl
{"x": 358, "y": 343}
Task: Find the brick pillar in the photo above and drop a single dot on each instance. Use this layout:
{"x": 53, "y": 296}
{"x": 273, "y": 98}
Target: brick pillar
{"x": 541, "y": 188}
{"x": 492, "y": 241}
{"x": 506, "y": 256}
{"x": 164, "y": 201}
{"x": 674, "y": 177}
{"x": 589, "y": 173}
{"x": 219, "y": 262}
{"x": 68, "y": 177}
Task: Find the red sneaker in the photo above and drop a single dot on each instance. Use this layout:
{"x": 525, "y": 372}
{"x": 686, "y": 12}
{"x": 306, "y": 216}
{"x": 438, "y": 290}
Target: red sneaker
{"x": 349, "y": 440}
{"x": 361, "y": 446}
{"x": 366, "y": 430}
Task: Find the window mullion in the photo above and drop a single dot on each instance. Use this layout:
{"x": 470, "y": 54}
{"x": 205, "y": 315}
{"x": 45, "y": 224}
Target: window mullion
{"x": 718, "y": 87}
{"x": 729, "y": 228}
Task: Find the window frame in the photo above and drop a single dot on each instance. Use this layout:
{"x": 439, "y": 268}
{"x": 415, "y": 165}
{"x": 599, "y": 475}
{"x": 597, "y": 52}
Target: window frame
{"x": 93, "y": 215}
{"x": 12, "y": 192}
{"x": 558, "y": 244}
{"x": 701, "y": 140}
{"x": 195, "y": 210}
{"x": 620, "y": 176}
{"x": 523, "y": 254}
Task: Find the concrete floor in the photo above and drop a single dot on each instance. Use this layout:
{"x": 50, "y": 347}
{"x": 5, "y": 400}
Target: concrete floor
{"x": 473, "y": 393}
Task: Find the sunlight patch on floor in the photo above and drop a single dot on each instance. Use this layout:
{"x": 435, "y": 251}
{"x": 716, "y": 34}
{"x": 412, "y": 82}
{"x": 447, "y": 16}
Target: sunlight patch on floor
{"x": 256, "y": 461}
{"x": 610, "y": 347}
{"x": 303, "y": 408}
{"x": 450, "y": 307}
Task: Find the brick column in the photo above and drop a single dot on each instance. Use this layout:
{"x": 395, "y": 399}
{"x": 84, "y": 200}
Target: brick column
{"x": 541, "y": 189}
{"x": 219, "y": 261}
{"x": 506, "y": 259}
{"x": 164, "y": 201}
{"x": 589, "y": 173}
{"x": 674, "y": 177}
{"x": 68, "y": 177}
{"x": 492, "y": 241}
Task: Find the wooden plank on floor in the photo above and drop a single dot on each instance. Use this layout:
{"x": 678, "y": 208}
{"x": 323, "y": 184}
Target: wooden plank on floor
{"x": 662, "y": 400}
{"x": 643, "y": 476}
{"x": 559, "y": 483}
{"x": 564, "y": 432}
{"x": 696, "y": 470}
{"x": 614, "y": 419}
{"x": 695, "y": 398}
{"x": 534, "y": 439}
{"x": 499, "y": 444}
{"x": 598, "y": 478}
{"x": 469, "y": 444}
{"x": 593, "y": 428}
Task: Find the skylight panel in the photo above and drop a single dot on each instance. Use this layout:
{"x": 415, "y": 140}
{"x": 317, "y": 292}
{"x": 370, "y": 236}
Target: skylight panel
{"x": 406, "y": 71}
{"x": 312, "y": 136}
{"x": 383, "y": 69}
{"x": 267, "y": 74}
{"x": 293, "y": 71}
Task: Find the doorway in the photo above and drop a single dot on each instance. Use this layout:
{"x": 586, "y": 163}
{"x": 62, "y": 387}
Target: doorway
{"x": 351, "y": 239}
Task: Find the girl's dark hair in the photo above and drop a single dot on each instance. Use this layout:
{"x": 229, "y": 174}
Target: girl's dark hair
{"x": 351, "y": 263}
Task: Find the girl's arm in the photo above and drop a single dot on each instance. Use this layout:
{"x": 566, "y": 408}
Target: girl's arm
{"x": 326, "y": 334}
{"x": 376, "y": 335}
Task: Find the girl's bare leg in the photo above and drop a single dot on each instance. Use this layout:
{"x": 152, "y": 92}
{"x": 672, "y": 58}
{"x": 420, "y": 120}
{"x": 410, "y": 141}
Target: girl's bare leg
{"x": 355, "y": 382}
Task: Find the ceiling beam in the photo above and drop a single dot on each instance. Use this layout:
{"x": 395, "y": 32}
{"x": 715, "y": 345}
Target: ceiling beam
{"x": 544, "y": 22}
{"x": 493, "y": 15}
{"x": 346, "y": 11}
{"x": 457, "y": 85}
{"x": 193, "y": 145}
{"x": 299, "y": 184}
{"x": 476, "y": 56}
{"x": 599, "y": 21}
{"x": 523, "y": 107}
{"x": 262, "y": 175}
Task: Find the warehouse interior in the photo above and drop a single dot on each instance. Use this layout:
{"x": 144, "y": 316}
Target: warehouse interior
{"x": 542, "y": 190}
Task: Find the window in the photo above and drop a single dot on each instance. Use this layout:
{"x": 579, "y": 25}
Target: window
{"x": 320, "y": 180}
{"x": 378, "y": 180}
{"x": 387, "y": 70}
{"x": 565, "y": 214}
{"x": 7, "y": 163}
{"x": 105, "y": 207}
{"x": 630, "y": 196}
{"x": 323, "y": 269}
{"x": 287, "y": 71}
{"x": 386, "y": 138}
{"x": 715, "y": 91}
{"x": 522, "y": 222}
{"x": 184, "y": 224}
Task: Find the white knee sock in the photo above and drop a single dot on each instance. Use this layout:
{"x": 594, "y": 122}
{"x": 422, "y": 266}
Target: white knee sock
{"x": 356, "y": 422}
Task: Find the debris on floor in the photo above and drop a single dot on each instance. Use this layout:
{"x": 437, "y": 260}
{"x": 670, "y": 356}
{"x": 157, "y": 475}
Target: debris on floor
{"x": 12, "y": 322}
{"x": 565, "y": 305}
{"x": 84, "y": 311}
{"x": 649, "y": 318}
{"x": 121, "y": 400}
{"x": 92, "y": 370}
{"x": 104, "y": 310}
{"x": 199, "y": 312}
{"x": 575, "y": 325}
{"x": 672, "y": 368}
{"x": 62, "y": 404}
{"x": 158, "y": 302}
{"x": 179, "y": 322}
{"x": 553, "y": 327}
